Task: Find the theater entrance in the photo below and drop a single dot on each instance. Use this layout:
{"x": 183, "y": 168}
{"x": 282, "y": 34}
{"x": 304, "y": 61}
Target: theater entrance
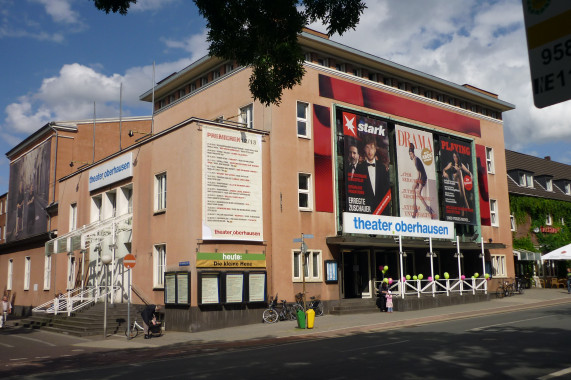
{"x": 356, "y": 275}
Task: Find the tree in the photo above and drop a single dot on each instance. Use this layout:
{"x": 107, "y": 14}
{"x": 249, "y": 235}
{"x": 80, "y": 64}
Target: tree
{"x": 263, "y": 34}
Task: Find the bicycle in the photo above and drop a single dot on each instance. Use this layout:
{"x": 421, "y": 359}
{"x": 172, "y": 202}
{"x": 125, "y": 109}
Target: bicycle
{"x": 274, "y": 314}
{"x": 519, "y": 285}
{"x": 505, "y": 289}
{"x": 134, "y": 330}
{"x": 313, "y": 303}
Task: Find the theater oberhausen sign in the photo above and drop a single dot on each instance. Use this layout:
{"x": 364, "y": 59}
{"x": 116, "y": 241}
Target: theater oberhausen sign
{"x": 230, "y": 260}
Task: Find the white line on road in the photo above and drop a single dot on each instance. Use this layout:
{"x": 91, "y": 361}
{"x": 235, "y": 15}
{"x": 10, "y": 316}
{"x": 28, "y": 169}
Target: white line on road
{"x": 5, "y": 345}
{"x": 552, "y": 375}
{"x": 507, "y": 323}
{"x": 16, "y": 359}
{"x": 34, "y": 339}
{"x": 377, "y": 345}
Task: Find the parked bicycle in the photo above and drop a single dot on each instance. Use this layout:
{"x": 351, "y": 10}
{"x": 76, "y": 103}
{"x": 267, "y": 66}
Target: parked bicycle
{"x": 505, "y": 289}
{"x": 134, "y": 330}
{"x": 313, "y": 303}
{"x": 274, "y": 313}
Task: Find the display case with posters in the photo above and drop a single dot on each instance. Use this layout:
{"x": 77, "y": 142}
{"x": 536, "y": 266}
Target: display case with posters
{"x": 209, "y": 288}
{"x": 177, "y": 288}
{"x": 330, "y": 271}
{"x": 257, "y": 287}
{"x": 234, "y": 287}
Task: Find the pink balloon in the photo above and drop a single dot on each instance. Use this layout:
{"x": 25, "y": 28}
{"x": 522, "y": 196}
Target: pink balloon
{"x": 463, "y": 277}
{"x": 390, "y": 281}
{"x": 403, "y": 279}
{"x": 429, "y": 278}
{"x": 381, "y": 267}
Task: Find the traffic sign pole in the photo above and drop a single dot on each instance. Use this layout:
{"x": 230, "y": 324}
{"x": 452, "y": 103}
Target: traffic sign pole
{"x": 129, "y": 262}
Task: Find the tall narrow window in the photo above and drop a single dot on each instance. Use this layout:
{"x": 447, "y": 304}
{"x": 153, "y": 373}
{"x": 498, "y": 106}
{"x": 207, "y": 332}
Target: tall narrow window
{"x": 498, "y": 265}
{"x": 568, "y": 188}
{"x": 304, "y": 190}
{"x": 246, "y": 116}
{"x": 96, "y": 214}
{"x": 159, "y": 263}
{"x": 512, "y": 223}
{"x": 303, "y": 119}
{"x": 161, "y": 192}
{"x": 73, "y": 216}
{"x": 548, "y": 220}
{"x": 310, "y": 266}
{"x": 494, "y": 212}
{"x": 47, "y": 272}
{"x": 10, "y": 274}
{"x": 490, "y": 160}
{"x": 27, "y": 270}
{"x": 549, "y": 184}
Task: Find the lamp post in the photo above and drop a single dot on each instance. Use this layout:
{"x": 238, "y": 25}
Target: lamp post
{"x": 106, "y": 260}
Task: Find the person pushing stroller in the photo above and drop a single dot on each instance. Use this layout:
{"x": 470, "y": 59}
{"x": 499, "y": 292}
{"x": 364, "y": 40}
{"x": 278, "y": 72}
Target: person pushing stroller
{"x": 150, "y": 323}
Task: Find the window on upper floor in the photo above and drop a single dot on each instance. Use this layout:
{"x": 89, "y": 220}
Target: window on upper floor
{"x": 323, "y": 62}
{"x": 373, "y": 77}
{"x": 357, "y": 72}
{"x": 512, "y": 223}
{"x": 171, "y": 98}
{"x": 494, "y": 212}
{"x": 27, "y": 272}
{"x": 549, "y": 184}
{"x": 10, "y": 274}
{"x": 203, "y": 81}
{"x": 302, "y": 115}
{"x": 71, "y": 272}
{"x": 340, "y": 67}
{"x": 311, "y": 268}
{"x": 246, "y": 116}
{"x": 73, "y": 216}
{"x": 181, "y": 92}
{"x": 159, "y": 265}
{"x": 216, "y": 74}
{"x": 498, "y": 265}
{"x": 526, "y": 180}
{"x": 96, "y": 208}
{"x": 490, "y": 160}
{"x": 47, "y": 272}
{"x": 548, "y": 219}
{"x": 228, "y": 67}
{"x": 160, "y": 192}
{"x": 304, "y": 191}
{"x": 568, "y": 188}
{"x": 192, "y": 87}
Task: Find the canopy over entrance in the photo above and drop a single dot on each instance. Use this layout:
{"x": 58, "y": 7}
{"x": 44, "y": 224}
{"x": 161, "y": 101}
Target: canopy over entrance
{"x": 563, "y": 253}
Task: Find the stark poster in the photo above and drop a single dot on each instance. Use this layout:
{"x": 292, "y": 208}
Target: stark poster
{"x": 418, "y": 194}
{"x": 457, "y": 181}
{"x": 366, "y": 156}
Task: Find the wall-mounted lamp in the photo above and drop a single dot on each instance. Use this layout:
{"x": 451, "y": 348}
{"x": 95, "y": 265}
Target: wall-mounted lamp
{"x": 132, "y": 132}
{"x": 83, "y": 163}
{"x": 490, "y": 240}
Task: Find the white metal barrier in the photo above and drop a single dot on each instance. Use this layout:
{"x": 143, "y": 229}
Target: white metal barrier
{"x": 434, "y": 287}
{"x": 75, "y": 300}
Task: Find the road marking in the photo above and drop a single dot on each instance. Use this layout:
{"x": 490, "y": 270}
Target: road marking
{"x": 555, "y": 374}
{"x": 5, "y": 345}
{"x": 34, "y": 339}
{"x": 507, "y": 323}
{"x": 377, "y": 345}
{"x": 16, "y": 359}
{"x": 41, "y": 357}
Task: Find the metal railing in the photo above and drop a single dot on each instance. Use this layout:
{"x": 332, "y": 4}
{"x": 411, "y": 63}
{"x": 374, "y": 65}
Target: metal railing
{"x": 434, "y": 287}
{"x": 75, "y": 299}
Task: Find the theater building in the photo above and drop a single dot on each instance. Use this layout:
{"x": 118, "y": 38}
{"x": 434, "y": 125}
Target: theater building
{"x": 367, "y": 171}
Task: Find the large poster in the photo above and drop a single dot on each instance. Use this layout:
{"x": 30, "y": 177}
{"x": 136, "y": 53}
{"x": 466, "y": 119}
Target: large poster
{"x": 366, "y": 157}
{"x": 231, "y": 185}
{"x": 457, "y": 181}
{"x": 418, "y": 194}
{"x": 28, "y": 193}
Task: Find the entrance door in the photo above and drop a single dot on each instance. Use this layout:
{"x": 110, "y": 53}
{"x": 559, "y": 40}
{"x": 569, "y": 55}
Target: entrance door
{"x": 356, "y": 274}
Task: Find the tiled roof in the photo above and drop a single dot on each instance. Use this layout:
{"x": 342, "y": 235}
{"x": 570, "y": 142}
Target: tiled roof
{"x": 539, "y": 167}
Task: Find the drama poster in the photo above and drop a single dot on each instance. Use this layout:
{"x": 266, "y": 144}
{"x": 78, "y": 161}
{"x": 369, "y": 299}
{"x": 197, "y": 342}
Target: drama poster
{"x": 418, "y": 194}
{"x": 366, "y": 156}
{"x": 457, "y": 181}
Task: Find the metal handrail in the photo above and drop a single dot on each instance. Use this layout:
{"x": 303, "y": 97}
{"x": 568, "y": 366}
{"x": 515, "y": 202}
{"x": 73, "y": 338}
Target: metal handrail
{"x": 74, "y": 300}
{"x": 440, "y": 286}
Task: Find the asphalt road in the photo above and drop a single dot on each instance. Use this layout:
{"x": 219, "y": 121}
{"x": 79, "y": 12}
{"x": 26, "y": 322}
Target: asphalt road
{"x": 530, "y": 344}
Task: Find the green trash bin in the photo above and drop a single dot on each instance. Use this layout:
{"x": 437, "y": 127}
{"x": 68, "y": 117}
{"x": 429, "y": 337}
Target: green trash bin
{"x": 301, "y": 319}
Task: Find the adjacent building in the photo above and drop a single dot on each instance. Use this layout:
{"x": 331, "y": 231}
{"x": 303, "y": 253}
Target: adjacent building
{"x": 367, "y": 171}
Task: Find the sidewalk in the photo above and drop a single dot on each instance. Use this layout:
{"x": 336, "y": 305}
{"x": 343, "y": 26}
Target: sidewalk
{"x": 331, "y": 326}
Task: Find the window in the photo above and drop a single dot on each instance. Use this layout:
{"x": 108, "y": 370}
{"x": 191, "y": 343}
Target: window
{"x": 192, "y": 87}
{"x": 10, "y": 274}
{"x": 159, "y": 264}
{"x": 526, "y": 180}
{"x": 568, "y": 188}
{"x": 562, "y": 221}
{"x": 498, "y": 265}
{"x": 96, "y": 214}
{"x": 512, "y": 223}
{"x": 181, "y": 92}
{"x": 357, "y": 72}
{"x": 428, "y": 94}
{"x": 373, "y": 77}
{"x": 70, "y": 272}
{"x": 171, "y": 98}
{"x": 246, "y": 116}
{"x": 110, "y": 206}
{"x": 549, "y": 184}
{"x": 304, "y": 190}
{"x": 161, "y": 191}
{"x": 216, "y": 74}
{"x": 47, "y": 272}
{"x": 529, "y": 180}
{"x": 27, "y": 268}
{"x": 125, "y": 200}
{"x": 494, "y": 212}
{"x": 490, "y": 160}
{"x": 414, "y": 90}
{"x": 323, "y": 62}
{"x": 229, "y": 67}
{"x": 73, "y": 216}
{"x": 303, "y": 120}
{"x": 313, "y": 271}
{"x": 548, "y": 220}
{"x": 203, "y": 81}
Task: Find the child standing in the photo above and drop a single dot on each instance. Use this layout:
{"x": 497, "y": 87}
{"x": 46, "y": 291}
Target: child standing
{"x": 389, "y": 302}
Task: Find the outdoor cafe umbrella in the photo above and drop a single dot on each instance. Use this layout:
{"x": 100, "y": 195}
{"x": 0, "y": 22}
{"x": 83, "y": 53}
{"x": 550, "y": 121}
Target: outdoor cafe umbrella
{"x": 563, "y": 253}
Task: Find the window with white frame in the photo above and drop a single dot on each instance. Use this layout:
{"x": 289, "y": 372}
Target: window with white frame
{"x": 73, "y": 216}
{"x": 340, "y": 67}
{"x": 494, "y": 212}
{"x": 549, "y": 184}
{"x": 159, "y": 265}
{"x": 246, "y": 116}
{"x": 70, "y": 272}
{"x": 10, "y": 274}
{"x": 47, "y": 272}
{"x": 562, "y": 221}
{"x": 313, "y": 267}
{"x": 27, "y": 270}
{"x": 1, "y": 229}
{"x": 161, "y": 191}
{"x": 303, "y": 120}
{"x": 568, "y": 188}
{"x": 498, "y": 265}
{"x": 525, "y": 180}
{"x": 304, "y": 190}
{"x": 96, "y": 208}
{"x": 529, "y": 180}
{"x": 512, "y": 223}
{"x": 548, "y": 219}
{"x": 125, "y": 200}
{"x": 490, "y": 160}
{"x": 110, "y": 205}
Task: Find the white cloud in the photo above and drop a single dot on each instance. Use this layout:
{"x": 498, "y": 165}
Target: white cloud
{"x": 151, "y": 5}
{"x": 195, "y": 44}
{"x": 60, "y": 11}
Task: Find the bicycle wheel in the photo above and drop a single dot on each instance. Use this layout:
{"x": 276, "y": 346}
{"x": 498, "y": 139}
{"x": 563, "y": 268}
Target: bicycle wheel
{"x": 318, "y": 307}
{"x": 270, "y": 316}
{"x": 133, "y": 333}
{"x": 500, "y": 293}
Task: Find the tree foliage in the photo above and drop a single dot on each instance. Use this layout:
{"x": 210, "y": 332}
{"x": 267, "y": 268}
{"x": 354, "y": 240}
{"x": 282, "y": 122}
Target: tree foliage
{"x": 263, "y": 34}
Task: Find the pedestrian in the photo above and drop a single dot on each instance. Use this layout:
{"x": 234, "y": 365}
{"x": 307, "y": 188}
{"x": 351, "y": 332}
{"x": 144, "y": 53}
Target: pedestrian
{"x": 568, "y": 280}
{"x": 149, "y": 318}
{"x": 382, "y": 300}
{"x": 389, "y": 302}
{"x": 6, "y": 309}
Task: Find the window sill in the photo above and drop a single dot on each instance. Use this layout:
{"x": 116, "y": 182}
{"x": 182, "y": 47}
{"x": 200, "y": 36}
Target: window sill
{"x": 296, "y": 280}
{"x": 158, "y": 288}
{"x": 159, "y": 212}
{"x": 305, "y": 210}
{"x": 304, "y": 137}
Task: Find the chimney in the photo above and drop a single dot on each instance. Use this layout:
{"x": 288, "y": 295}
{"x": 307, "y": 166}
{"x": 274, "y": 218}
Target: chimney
{"x": 547, "y": 158}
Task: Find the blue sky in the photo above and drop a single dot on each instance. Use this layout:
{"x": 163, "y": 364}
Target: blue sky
{"x": 61, "y": 56}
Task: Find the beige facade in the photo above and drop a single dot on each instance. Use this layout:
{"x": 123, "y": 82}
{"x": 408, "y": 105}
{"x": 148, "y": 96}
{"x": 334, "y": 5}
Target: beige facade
{"x": 131, "y": 217}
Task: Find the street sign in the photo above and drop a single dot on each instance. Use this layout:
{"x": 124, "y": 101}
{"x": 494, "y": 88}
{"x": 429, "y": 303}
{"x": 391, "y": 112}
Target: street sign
{"x": 129, "y": 261}
{"x": 548, "y": 29}
{"x": 308, "y": 236}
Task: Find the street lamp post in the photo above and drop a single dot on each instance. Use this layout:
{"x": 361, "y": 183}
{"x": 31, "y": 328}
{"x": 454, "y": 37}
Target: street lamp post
{"x": 106, "y": 260}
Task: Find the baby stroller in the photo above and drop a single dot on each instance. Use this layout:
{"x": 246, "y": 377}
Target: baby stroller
{"x": 155, "y": 330}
